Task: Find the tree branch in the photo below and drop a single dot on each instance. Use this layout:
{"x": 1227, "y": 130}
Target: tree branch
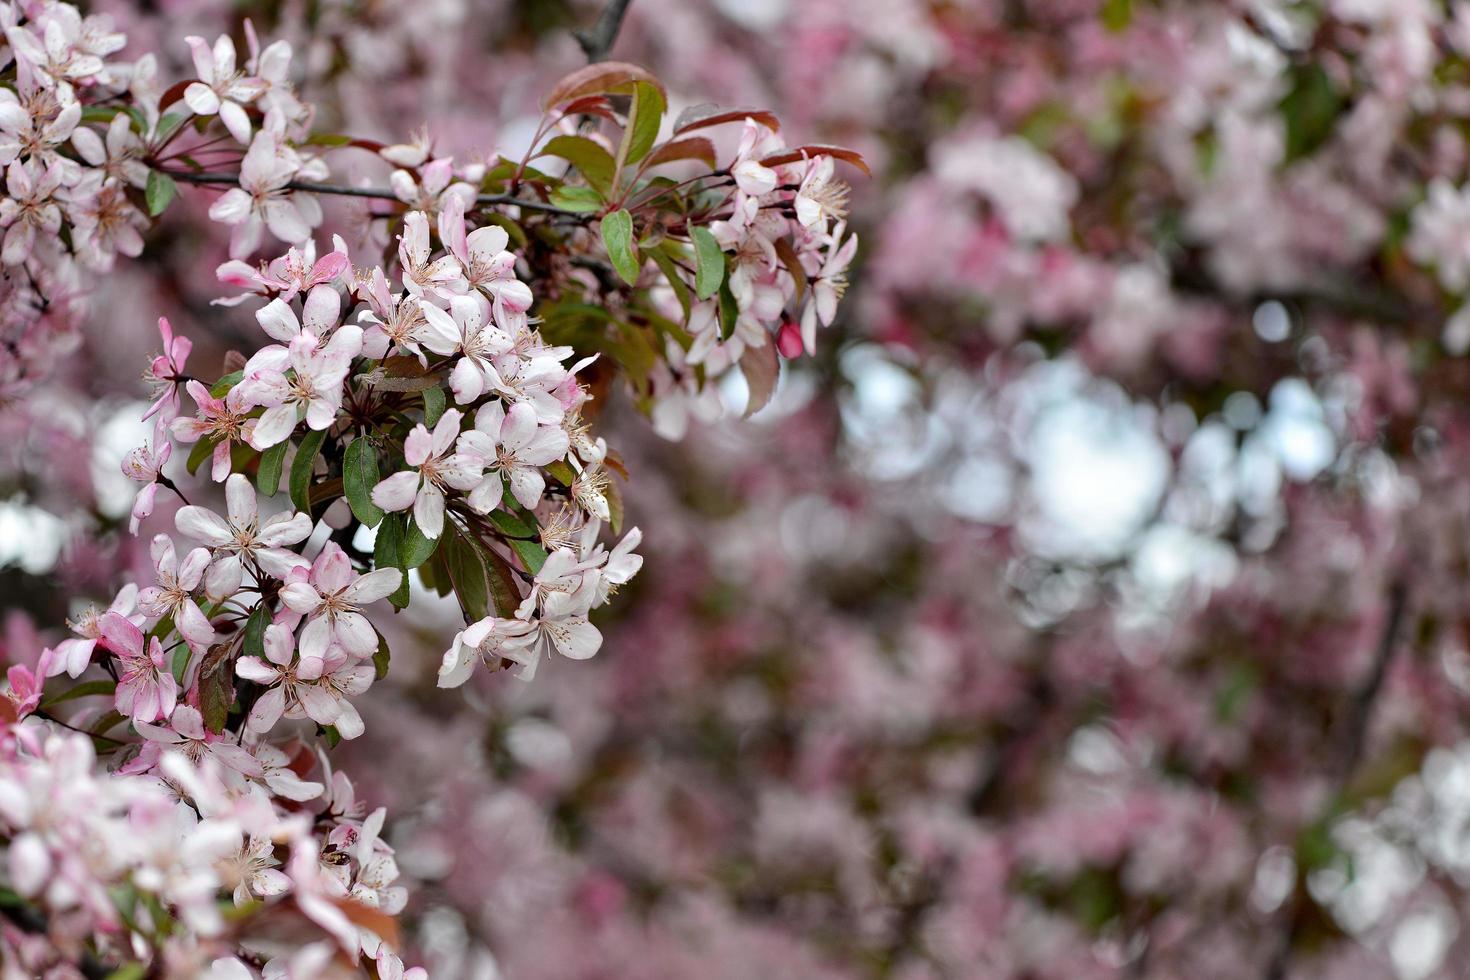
{"x": 376, "y": 193}
{"x": 1354, "y": 735}
{"x": 597, "y": 42}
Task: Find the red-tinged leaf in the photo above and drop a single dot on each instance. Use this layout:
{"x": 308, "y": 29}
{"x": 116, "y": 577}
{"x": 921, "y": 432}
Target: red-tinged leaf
{"x": 819, "y": 150}
{"x": 175, "y": 93}
{"x": 689, "y": 148}
{"x": 598, "y": 79}
{"x": 709, "y": 114}
{"x": 762, "y": 370}
{"x": 789, "y": 259}
{"x": 592, "y": 105}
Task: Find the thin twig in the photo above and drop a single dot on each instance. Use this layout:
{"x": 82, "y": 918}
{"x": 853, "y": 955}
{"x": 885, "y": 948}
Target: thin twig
{"x": 597, "y": 43}
{"x": 376, "y": 193}
{"x": 1354, "y": 736}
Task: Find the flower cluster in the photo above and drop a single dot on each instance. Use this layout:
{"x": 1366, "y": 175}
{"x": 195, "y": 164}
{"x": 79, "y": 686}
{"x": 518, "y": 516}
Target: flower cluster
{"x": 428, "y": 431}
{"x": 112, "y": 861}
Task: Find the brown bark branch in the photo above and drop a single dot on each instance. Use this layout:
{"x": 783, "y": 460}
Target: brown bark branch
{"x": 376, "y": 193}
{"x": 597, "y": 43}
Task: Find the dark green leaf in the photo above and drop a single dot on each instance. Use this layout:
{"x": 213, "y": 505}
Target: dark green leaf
{"x": 617, "y": 238}
{"x": 201, "y": 451}
{"x": 531, "y": 553}
{"x": 511, "y": 525}
{"x": 388, "y": 553}
{"x": 1309, "y": 108}
{"x": 159, "y": 192}
{"x": 302, "y": 466}
{"x": 268, "y": 477}
{"x": 434, "y": 405}
{"x": 380, "y": 659}
{"x": 359, "y": 476}
{"x": 333, "y": 737}
{"x": 84, "y": 690}
{"x": 464, "y": 559}
{"x": 504, "y": 595}
{"x": 216, "y": 688}
{"x": 709, "y": 262}
{"x": 416, "y": 547}
{"x": 260, "y": 618}
{"x": 729, "y": 312}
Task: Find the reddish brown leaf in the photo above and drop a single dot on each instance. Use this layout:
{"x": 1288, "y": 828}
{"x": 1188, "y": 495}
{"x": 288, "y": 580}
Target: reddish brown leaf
{"x": 709, "y": 114}
{"x": 818, "y": 149}
{"x": 689, "y": 148}
{"x": 598, "y": 79}
{"x": 789, "y": 259}
{"x": 762, "y": 370}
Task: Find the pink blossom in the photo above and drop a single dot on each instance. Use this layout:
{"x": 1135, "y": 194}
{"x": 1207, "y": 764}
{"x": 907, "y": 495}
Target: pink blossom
{"x": 313, "y": 391}
{"x": 513, "y": 447}
{"x": 315, "y": 688}
{"x": 331, "y": 594}
{"x": 73, "y": 655}
{"x": 263, "y": 200}
{"x": 221, "y": 419}
{"x": 242, "y": 538}
{"x": 185, "y": 732}
{"x": 29, "y": 207}
{"x": 145, "y": 465}
{"x": 145, "y": 688}
{"x": 173, "y": 595}
{"x": 220, "y": 89}
{"x": 434, "y": 469}
{"x": 469, "y": 334}
{"x": 166, "y": 372}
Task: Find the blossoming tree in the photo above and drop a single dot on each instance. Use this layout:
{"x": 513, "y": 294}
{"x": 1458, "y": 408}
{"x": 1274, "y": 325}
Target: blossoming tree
{"x": 167, "y": 806}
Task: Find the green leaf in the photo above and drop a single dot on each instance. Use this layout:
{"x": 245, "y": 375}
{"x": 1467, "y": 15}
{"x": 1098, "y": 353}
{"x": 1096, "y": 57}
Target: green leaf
{"x": 168, "y": 124}
{"x": 84, "y": 690}
{"x": 709, "y": 262}
{"x": 222, "y": 387}
{"x": 260, "y": 618}
{"x": 644, "y": 118}
{"x": 434, "y": 405}
{"x": 666, "y": 265}
{"x": 583, "y": 200}
{"x": 380, "y": 659}
{"x": 129, "y": 971}
{"x": 463, "y": 557}
{"x": 1310, "y": 109}
{"x": 216, "y": 687}
{"x": 302, "y": 466}
{"x": 388, "y": 553}
{"x": 530, "y": 552}
{"x": 504, "y": 595}
{"x": 729, "y": 312}
{"x": 359, "y": 476}
{"x": 511, "y": 525}
{"x": 268, "y": 477}
{"x": 333, "y": 737}
{"x": 1117, "y": 14}
{"x": 617, "y": 238}
{"x": 590, "y": 159}
{"x": 159, "y": 192}
{"x": 201, "y": 451}
{"x": 416, "y": 546}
